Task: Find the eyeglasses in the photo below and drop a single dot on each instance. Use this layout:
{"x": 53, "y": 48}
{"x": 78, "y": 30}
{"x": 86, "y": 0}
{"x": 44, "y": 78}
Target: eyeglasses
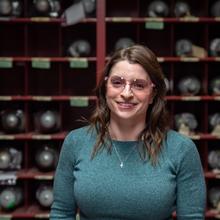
{"x": 118, "y": 82}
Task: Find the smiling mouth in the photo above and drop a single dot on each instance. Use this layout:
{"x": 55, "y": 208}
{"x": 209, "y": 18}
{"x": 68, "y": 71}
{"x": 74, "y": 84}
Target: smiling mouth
{"x": 126, "y": 104}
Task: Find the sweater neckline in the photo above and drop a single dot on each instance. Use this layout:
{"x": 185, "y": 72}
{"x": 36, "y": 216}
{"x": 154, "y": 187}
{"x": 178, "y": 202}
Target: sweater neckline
{"x": 124, "y": 144}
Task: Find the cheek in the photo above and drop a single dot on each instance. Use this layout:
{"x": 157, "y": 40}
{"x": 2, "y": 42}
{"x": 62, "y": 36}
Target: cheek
{"x": 110, "y": 94}
{"x": 109, "y": 98}
{"x": 147, "y": 99}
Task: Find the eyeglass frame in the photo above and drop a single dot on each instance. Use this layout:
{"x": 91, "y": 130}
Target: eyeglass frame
{"x": 148, "y": 84}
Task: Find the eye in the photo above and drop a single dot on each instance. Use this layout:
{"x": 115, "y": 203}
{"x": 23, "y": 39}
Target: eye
{"x": 139, "y": 84}
{"x": 117, "y": 81}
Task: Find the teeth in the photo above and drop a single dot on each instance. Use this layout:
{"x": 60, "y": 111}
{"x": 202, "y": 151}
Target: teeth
{"x": 126, "y": 104}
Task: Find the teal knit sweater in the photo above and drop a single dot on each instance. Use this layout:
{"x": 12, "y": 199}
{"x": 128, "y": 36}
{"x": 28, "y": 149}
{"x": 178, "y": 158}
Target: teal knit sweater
{"x": 102, "y": 190}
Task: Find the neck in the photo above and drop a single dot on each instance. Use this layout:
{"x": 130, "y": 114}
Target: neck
{"x": 125, "y": 131}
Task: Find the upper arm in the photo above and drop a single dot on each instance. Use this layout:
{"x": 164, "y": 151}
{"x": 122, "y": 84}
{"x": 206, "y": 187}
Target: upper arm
{"x": 191, "y": 188}
{"x": 64, "y": 206}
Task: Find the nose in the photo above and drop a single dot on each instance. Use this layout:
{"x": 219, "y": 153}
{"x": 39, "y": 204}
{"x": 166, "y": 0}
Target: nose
{"x": 127, "y": 92}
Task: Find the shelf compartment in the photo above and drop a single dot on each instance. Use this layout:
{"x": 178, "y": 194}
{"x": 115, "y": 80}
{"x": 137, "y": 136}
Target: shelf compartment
{"x": 75, "y": 80}
{"x": 42, "y": 40}
{"x": 73, "y": 116}
{"x": 12, "y": 40}
{"x": 185, "y": 71}
{"x": 14, "y": 78}
{"x": 122, "y": 9}
{"x": 44, "y": 81}
{"x": 71, "y": 34}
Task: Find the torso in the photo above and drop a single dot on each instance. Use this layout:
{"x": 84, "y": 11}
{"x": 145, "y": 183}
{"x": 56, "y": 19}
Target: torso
{"x": 104, "y": 190}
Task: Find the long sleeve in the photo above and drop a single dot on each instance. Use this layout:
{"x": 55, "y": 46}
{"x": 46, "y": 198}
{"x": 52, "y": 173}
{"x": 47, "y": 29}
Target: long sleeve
{"x": 191, "y": 188}
{"x": 64, "y": 207}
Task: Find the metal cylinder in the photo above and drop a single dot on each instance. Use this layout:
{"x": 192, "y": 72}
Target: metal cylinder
{"x": 189, "y": 85}
{"x": 5, "y": 159}
{"x": 214, "y": 159}
{"x": 44, "y": 195}
{"x": 47, "y": 121}
{"x": 183, "y": 47}
{"x": 158, "y": 9}
{"x": 214, "y": 120}
{"x": 46, "y": 158}
{"x": 79, "y": 48}
{"x": 48, "y": 8}
{"x": 214, "y": 197}
{"x": 187, "y": 119}
{"x": 12, "y": 121}
{"x": 215, "y": 85}
{"x": 11, "y": 197}
{"x": 215, "y": 47}
{"x": 10, "y": 158}
{"x": 181, "y": 9}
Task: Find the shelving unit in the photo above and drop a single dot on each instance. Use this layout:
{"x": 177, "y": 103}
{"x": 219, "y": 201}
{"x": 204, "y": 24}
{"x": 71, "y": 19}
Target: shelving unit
{"x": 36, "y": 73}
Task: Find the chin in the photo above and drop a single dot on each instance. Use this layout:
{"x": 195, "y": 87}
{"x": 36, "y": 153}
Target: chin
{"x": 126, "y": 115}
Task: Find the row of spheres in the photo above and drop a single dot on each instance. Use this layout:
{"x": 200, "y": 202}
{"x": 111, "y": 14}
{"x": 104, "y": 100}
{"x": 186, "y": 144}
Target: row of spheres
{"x": 49, "y": 121}
{"x": 13, "y": 196}
{"x": 48, "y": 8}
{"x": 159, "y": 8}
{"x": 52, "y": 8}
{"x": 183, "y": 47}
{"x": 191, "y": 85}
{"x": 189, "y": 120}
{"x": 45, "y": 158}
{"x": 13, "y": 121}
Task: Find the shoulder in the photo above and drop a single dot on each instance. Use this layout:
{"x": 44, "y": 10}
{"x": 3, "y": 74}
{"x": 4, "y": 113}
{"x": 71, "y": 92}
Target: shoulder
{"x": 177, "y": 145}
{"x": 181, "y": 151}
{"x": 78, "y": 134}
{"x": 78, "y": 138}
{"x": 176, "y": 140}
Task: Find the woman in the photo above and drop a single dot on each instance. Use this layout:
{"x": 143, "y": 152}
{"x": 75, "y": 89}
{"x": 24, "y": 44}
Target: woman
{"x": 127, "y": 164}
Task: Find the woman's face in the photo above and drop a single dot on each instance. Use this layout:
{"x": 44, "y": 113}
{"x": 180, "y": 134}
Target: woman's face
{"x": 129, "y": 91}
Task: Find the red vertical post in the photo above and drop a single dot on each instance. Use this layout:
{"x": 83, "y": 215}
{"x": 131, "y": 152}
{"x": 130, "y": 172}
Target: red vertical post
{"x": 100, "y": 38}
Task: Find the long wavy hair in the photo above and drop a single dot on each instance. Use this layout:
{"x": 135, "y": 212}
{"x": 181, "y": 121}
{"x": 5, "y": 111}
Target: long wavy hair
{"x": 157, "y": 120}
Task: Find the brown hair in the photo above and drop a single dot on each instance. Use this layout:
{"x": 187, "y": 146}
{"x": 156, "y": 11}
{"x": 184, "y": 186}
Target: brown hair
{"x": 157, "y": 117}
